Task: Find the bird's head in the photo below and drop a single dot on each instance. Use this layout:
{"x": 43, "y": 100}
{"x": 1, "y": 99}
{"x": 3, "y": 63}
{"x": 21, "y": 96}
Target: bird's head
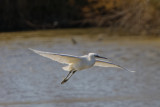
{"x": 96, "y": 55}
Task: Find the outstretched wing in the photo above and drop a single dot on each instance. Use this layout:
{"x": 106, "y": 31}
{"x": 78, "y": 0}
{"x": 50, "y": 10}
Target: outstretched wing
{"x": 102, "y": 63}
{"x": 61, "y": 58}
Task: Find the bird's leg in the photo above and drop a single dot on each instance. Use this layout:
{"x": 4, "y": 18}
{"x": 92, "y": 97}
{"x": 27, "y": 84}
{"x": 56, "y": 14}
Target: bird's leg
{"x": 68, "y": 74}
{"x": 67, "y": 78}
{"x": 71, "y": 75}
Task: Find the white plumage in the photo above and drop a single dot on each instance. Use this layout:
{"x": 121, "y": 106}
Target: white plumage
{"x": 77, "y": 63}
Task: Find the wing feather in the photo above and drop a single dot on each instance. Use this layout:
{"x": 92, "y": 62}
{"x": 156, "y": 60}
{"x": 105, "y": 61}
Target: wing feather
{"x": 61, "y": 58}
{"x": 102, "y": 63}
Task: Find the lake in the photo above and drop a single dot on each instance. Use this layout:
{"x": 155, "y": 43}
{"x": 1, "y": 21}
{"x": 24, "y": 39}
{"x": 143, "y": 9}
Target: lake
{"x": 29, "y": 80}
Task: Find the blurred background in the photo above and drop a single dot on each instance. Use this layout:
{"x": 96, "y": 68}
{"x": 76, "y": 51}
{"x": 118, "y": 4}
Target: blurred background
{"x": 136, "y": 16}
{"x": 126, "y": 31}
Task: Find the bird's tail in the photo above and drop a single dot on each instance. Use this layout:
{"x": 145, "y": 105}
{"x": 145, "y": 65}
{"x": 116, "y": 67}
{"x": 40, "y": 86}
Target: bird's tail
{"x": 66, "y": 68}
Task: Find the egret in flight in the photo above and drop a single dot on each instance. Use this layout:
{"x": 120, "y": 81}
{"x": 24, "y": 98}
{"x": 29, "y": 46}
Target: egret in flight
{"x": 77, "y": 63}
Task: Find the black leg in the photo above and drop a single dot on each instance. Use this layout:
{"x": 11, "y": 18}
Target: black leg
{"x": 71, "y": 75}
{"x": 68, "y": 74}
{"x": 67, "y": 78}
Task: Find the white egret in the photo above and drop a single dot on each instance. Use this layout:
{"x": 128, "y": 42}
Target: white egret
{"x": 77, "y": 63}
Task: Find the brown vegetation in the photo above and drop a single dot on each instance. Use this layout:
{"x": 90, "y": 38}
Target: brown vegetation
{"x": 135, "y": 16}
{"x": 140, "y": 16}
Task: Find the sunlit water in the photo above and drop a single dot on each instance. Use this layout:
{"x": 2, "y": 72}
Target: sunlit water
{"x": 29, "y": 80}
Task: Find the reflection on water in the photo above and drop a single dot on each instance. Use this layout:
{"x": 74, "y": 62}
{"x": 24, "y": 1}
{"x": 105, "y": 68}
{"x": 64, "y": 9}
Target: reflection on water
{"x": 27, "y": 79}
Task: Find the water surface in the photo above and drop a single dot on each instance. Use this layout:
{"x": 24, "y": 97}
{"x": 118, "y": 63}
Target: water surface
{"x": 29, "y": 80}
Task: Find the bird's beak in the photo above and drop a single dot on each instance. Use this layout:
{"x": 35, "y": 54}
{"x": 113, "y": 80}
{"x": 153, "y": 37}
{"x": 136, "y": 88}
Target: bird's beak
{"x": 101, "y": 57}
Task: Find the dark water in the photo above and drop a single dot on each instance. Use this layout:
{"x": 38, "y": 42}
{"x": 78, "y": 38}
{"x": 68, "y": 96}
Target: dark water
{"x": 29, "y": 80}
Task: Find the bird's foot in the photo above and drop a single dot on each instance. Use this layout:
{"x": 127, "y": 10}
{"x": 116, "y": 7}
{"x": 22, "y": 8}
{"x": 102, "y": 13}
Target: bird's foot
{"x": 65, "y": 80}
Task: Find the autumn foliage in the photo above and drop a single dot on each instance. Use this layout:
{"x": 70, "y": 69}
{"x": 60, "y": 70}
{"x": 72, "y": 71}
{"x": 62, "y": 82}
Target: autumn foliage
{"x": 135, "y": 16}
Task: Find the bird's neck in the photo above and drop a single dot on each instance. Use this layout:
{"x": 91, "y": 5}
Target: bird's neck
{"x": 91, "y": 58}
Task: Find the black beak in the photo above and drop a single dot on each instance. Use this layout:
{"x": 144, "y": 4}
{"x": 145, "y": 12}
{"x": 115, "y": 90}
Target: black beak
{"x": 100, "y": 57}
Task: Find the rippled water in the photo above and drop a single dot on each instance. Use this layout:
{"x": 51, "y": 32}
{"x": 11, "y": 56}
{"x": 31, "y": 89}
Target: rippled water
{"x": 29, "y": 80}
